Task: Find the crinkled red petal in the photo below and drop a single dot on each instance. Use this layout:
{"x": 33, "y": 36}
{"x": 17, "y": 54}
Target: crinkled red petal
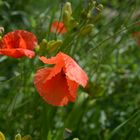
{"x": 54, "y": 91}
{"x": 19, "y": 39}
{"x": 59, "y": 64}
{"x": 73, "y": 71}
{"x": 73, "y": 87}
{"x": 17, "y": 53}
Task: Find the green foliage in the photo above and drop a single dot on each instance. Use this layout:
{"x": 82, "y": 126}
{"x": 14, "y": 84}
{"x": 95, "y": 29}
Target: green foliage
{"x": 108, "y": 109}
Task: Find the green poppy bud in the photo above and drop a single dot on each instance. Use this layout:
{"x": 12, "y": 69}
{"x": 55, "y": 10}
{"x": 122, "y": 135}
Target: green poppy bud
{"x": 73, "y": 23}
{"x": 100, "y": 7}
{"x": 27, "y": 137}
{"x": 66, "y": 17}
{"x": 85, "y": 30}
{"x": 67, "y": 7}
{"x": 18, "y": 137}
{"x": 53, "y": 45}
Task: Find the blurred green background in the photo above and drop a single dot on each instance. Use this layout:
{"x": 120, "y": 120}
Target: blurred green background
{"x": 109, "y": 108}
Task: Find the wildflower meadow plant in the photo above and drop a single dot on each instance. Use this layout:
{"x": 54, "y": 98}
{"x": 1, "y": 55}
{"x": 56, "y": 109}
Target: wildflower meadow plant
{"x": 58, "y": 84}
{"x": 68, "y": 72}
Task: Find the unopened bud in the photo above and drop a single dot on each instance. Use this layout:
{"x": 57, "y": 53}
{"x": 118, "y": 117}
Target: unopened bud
{"x": 2, "y": 137}
{"x": 66, "y": 18}
{"x": 86, "y": 29}
{"x": 18, "y": 137}
{"x": 53, "y": 45}
{"x": 99, "y": 7}
{"x": 44, "y": 41}
{"x": 92, "y": 4}
{"x": 67, "y": 7}
{"x": 73, "y": 23}
{"x": 37, "y": 48}
{"x": 43, "y": 46}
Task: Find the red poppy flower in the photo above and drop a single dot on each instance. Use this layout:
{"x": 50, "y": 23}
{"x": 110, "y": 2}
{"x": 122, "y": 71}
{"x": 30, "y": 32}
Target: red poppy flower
{"x": 58, "y": 85}
{"x": 58, "y": 27}
{"x": 18, "y": 43}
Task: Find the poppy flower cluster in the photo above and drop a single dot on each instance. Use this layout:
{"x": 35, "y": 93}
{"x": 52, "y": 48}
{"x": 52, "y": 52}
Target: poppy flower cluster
{"x": 58, "y": 84}
{"x": 18, "y": 43}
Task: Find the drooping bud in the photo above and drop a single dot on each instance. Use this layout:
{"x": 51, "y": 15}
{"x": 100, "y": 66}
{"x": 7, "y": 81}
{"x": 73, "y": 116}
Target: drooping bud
{"x": 87, "y": 12}
{"x": 85, "y": 30}
{"x": 2, "y": 137}
{"x": 100, "y": 7}
{"x": 66, "y": 18}
{"x": 43, "y": 46}
{"x": 18, "y": 137}
{"x": 53, "y": 45}
{"x": 67, "y": 7}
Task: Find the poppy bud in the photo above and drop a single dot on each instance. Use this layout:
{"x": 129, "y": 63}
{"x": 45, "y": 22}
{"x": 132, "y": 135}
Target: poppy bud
{"x": 100, "y": 7}
{"x": 53, "y": 45}
{"x": 66, "y": 17}
{"x": 91, "y": 5}
{"x": 2, "y": 137}
{"x": 73, "y": 23}
{"x": 43, "y": 46}
{"x": 86, "y": 29}
{"x": 67, "y": 7}
{"x": 37, "y": 48}
{"x": 18, "y": 137}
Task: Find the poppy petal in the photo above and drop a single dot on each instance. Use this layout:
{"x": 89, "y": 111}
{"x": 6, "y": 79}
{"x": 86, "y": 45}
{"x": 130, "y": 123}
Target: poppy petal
{"x": 58, "y": 27}
{"x": 73, "y": 87}
{"x": 54, "y": 91}
{"x": 52, "y": 60}
{"x": 18, "y": 43}
{"x": 58, "y": 61}
{"x": 73, "y": 71}
{"x": 19, "y": 39}
{"x": 17, "y": 53}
